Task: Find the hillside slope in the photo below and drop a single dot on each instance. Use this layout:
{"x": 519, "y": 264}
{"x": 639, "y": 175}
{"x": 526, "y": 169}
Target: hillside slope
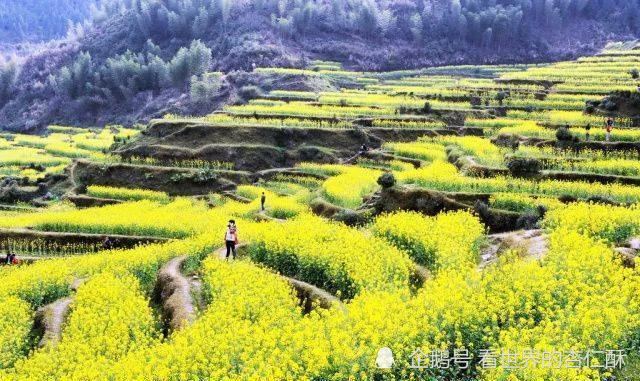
{"x": 39, "y": 20}
{"x": 143, "y": 58}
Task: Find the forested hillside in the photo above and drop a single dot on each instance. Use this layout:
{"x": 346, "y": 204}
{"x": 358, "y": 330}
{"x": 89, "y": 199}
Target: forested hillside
{"x": 40, "y": 20}
{"x": 480, "y": 22}
{"x": 140, "y": 57}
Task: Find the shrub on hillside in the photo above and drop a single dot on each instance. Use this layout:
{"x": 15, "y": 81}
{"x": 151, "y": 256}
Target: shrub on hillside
{"x": 8, "y": 75}
{"x": 523, "y": 166}
{"x": 250, "y": 92}
{"x": 387, "y": 180}
{"x": 204, "y": 89}
{"x": 563, "y": 134}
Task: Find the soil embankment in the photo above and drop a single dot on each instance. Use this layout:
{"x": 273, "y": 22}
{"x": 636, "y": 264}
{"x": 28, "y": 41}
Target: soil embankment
{"x": 254, "y": 148}
{"x": 172, "y": 180}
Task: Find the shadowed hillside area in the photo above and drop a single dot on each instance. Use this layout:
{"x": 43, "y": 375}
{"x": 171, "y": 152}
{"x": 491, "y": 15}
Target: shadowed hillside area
{"x": 40, "y": 20}
{"x": 125, "y": 61}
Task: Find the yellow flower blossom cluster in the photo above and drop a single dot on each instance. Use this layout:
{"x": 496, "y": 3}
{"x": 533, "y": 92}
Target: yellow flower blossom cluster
{"x": 444, "y": 177}
{"x": 578, "y": 298}
{"x": 109, "y": 317}
{"x": 23, "y": 156}
{"x": 126, "y": 194}
{"x": 575, "y": 296}
{"x": 15, "y": 330}
{"x": 276, "y": 206}
{"x": 418, "y": 150}
{"x": 480, "y": 148}
{"x": 332, "y": 256}
{"x": 448, "y": 240}
{"x": 613, "y": 224}
{"x": 522, "y": 203}
{"x": 49, "y": 280}
{"x": 348, "y": 185}
{"x": 251, "y": 330}
{"x": 180, "y": 218}
{"x": 55, "y": 151}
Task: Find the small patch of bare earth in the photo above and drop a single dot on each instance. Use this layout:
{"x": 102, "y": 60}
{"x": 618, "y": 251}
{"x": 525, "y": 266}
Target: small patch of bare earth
{"x": 530, "y": 243}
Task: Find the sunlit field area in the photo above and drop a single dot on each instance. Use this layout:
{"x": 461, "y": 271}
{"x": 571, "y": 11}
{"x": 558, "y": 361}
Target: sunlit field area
{"x": 449, "y": 223}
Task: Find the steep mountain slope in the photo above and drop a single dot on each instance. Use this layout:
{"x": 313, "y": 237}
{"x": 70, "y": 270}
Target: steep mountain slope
{"x": 142, "y": 58}
{"x": 39, "y": 20}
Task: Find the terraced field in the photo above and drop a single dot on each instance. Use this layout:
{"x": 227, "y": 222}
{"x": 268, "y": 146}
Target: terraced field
{"x": 446, "y": 210}
{"x": 34, "y": 157}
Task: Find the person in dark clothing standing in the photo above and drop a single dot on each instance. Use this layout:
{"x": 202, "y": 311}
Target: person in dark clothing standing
{"x": 231, "y": 238}
{"x": 263, "y": 199}
{"x": 608, "y": 127}
{"x": 588, "y": 132}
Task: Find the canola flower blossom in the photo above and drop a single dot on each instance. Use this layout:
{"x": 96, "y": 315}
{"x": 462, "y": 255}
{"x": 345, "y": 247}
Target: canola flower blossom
{"x": 109, "y": 317}
{"x": 575, "y": 296}
{"x": 447, "y": 241}
{"x": 331, "y": 256}
{"x": 126, "y": 194}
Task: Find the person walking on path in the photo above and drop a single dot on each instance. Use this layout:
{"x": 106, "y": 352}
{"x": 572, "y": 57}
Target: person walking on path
{"x": 231, "y": 238}
{"x": 608, "y": 129}
{"x": 588, "y": 132}
{"x": 263, "y": 199}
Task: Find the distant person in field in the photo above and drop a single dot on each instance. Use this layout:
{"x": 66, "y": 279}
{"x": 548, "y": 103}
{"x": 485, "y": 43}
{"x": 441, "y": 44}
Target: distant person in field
{"x": 231, "y": 238}
{"x": 263, "y": 199}
{"x": 7, "y": 258}
{"x": 587, "y": 132}
{"x": 107, "y": 244}
{"x": 608, "y": 129}
{"x": 363, "y": 149}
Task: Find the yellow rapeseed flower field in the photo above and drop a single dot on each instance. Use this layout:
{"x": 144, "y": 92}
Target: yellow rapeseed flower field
{"x": 575, "y": 294}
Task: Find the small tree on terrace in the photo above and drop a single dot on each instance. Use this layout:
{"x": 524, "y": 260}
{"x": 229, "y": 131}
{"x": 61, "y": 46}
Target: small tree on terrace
{"x": 204, "y": 89}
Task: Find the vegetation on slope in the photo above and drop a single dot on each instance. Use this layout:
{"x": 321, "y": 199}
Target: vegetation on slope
{"x": 138, "y": 55}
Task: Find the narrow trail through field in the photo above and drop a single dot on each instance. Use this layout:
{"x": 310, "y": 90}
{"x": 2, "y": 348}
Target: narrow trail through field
{"x": 49, "y": 319}
{"x": 309, "y": 295}
{"x": 174, "y": 291}
{"x": 263, "y": 215}
{"x": 531, "y": 243}
{"x": 236, "y": 197}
